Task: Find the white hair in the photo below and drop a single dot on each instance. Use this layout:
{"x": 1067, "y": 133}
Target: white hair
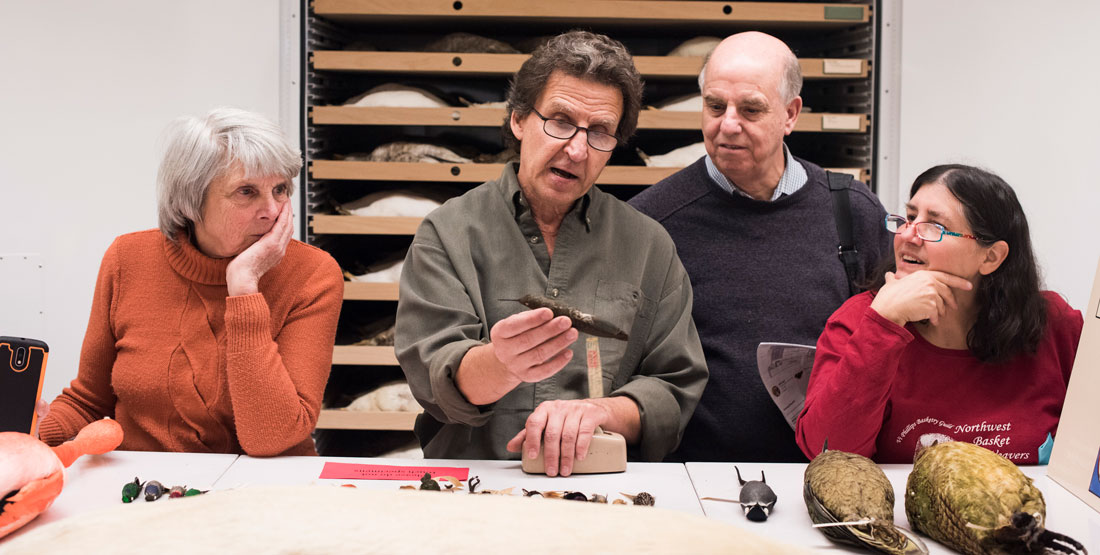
{"x": 790, "y": 81}
{"x": 199, "y": 150}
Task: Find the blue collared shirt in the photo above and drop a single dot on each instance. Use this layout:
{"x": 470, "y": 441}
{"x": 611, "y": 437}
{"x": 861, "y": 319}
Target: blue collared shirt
{"x": 793, "y": 178}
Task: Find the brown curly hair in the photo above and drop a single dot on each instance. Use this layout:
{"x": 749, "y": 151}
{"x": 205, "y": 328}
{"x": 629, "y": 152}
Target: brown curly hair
{"x": 581, "y": 54}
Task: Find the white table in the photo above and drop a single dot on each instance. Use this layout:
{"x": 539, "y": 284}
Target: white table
{"x": 667, "y": 482}
{"x": 95, "y": 481}
{"x": 790, "y": 522}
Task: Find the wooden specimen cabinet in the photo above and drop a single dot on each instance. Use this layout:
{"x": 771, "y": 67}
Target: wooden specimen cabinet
{"x": 352, "y": 45}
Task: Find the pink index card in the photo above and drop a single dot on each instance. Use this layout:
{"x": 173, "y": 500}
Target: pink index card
{"x": 351, "y": 471}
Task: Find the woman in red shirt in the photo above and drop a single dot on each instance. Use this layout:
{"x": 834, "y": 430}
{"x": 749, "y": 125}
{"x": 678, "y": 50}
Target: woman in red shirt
{"x": 955, "y": 342}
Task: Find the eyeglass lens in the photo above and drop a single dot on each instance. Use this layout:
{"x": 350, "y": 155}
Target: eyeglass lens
{"x": 560, "y": 129}
{"x": 925, "y": 230}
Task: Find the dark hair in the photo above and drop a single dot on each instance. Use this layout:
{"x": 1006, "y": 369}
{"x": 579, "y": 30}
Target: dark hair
{"x": 581, "y": 54}
{"x": 1012, "y": 312}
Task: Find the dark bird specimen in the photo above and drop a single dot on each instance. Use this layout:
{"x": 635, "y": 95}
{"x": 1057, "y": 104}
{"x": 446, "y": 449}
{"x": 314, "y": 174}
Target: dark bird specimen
{"x": 153, "y": 490}
{"x": 851, "y": 496}
{"x": 429, "y": 483}
{"x": 978, "y": 502}
{"x": 585, "y": 323}
{"x": 757, "y": 498}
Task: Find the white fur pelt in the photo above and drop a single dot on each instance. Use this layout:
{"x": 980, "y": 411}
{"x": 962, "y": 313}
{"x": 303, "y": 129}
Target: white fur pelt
{"x": 389, "y": 272}
{"x": 499, "y": 104}
{"x": 328, "y": 519}
{"x": 698, "y": 46}
{"x": 402, "y": 151}
{"x": 395, "y": 95}
{"x": 403, "y": 203}
{"x": 391, "y": 397}
{"x": 686, "y": 103}
{"x": 677, "y": 158}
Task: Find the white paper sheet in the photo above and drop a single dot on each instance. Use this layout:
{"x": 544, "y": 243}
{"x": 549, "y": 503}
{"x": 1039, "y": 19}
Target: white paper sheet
{"x": 785, "y": 370}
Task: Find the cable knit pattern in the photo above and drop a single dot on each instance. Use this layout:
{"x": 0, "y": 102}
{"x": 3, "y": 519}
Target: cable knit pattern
{"x": 183, "y": 367}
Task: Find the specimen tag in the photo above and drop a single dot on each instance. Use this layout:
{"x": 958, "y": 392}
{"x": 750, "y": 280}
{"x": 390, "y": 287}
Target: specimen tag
{"x": 595, "y": 369}
{"x": 352, "y": 471}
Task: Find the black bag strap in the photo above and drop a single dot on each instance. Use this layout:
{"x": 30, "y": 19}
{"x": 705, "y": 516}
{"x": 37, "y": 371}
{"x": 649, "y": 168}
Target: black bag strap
{"x": 839, "y": 186}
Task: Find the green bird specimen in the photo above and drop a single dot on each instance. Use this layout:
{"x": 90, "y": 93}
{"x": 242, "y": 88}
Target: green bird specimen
{"x": 854, "y": 502}
{"x": 131, "y": 490}
{"x": 978, "y": 502}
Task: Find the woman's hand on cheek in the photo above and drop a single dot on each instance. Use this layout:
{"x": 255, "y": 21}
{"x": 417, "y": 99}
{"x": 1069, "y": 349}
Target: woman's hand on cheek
{"x": 923, "y": 295}
{"x": 244, "y": 272}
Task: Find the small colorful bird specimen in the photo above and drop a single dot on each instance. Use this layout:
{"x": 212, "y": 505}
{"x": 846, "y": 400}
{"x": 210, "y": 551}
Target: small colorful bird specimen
{"x": 153, "y": 490}
{"x": 131, "y": 490}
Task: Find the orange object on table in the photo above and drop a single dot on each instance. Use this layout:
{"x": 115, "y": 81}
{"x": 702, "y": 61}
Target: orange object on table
{"x": 32, "y": 473}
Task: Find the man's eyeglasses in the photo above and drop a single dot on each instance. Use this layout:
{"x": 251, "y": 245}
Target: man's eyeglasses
{"x": 928, "y": 231}
{"x": 561, "y": 129}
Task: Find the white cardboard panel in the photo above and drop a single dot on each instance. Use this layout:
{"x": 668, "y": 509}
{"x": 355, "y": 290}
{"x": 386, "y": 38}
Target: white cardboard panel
{"x": 1078, "y": 439}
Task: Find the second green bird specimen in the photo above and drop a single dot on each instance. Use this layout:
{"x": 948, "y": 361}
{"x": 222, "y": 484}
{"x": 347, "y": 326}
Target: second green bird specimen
{"x": 978, "y": 502}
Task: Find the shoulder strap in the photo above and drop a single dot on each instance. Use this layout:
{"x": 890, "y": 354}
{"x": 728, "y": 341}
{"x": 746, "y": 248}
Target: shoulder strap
{"x": 839, "y": 184}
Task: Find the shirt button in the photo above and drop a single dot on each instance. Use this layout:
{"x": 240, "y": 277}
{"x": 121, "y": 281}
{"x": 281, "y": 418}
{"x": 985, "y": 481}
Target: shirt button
{"x": 534, "y": 239}
{"x": 554, "y": 292}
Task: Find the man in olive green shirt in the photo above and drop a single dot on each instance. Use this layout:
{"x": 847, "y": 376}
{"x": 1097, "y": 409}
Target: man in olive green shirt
{"x": 496, "y": 378}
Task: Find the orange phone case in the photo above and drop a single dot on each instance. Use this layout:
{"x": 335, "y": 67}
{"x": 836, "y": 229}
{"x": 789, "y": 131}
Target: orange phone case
{"x": 22, "y": 368}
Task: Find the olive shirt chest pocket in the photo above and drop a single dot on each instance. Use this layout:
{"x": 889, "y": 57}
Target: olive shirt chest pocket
{"x": 623, "y": 305}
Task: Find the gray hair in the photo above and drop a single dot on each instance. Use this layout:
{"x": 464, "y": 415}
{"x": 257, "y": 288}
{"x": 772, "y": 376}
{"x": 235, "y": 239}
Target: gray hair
{"x": 200, "y": 150}
{"x": 581, "y": 54}
{"x": 790, "y": 82}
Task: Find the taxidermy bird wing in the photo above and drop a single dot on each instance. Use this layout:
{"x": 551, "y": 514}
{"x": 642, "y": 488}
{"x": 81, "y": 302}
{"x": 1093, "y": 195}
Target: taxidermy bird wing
{"x": 881, "y": 536}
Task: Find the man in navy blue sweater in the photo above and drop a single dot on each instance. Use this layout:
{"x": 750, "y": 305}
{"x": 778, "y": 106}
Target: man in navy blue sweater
{"x": 754, "y": 227}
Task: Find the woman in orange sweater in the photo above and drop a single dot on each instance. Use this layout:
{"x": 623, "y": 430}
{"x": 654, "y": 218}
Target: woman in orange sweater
{"x": 213, "y": 334}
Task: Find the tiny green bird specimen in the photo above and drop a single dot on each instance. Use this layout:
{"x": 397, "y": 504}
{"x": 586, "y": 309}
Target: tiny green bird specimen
{"x": 851, "y": 500}
{"x": 978, "y": 502}
{"x": 131, "y": 490}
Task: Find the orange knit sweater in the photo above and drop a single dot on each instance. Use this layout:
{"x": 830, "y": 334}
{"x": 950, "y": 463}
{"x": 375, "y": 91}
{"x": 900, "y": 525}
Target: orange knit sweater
{"x": 183, "y": 367}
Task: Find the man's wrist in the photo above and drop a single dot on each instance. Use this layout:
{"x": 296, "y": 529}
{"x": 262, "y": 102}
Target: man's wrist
{"x": 482, "y": 378}
{"x": 623, "y": 416}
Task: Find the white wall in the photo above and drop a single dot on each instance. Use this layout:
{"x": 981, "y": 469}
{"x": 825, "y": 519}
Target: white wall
{"x": 86, "y": 90}
{"x": 1010, "y": 85}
